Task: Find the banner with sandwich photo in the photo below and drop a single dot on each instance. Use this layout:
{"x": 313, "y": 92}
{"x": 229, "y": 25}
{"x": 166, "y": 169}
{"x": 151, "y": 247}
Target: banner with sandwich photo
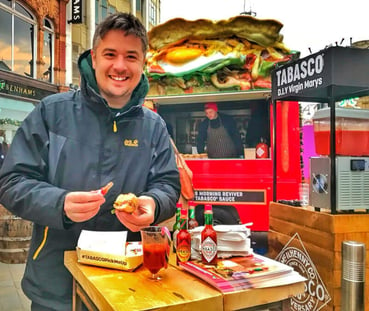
{"x": 204, "y": 56}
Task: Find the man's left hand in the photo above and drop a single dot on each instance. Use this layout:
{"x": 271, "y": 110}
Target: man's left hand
{"x": 142, "y": 217}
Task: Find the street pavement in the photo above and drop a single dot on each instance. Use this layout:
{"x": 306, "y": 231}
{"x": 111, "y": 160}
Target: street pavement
{"x": 11, "y": 294}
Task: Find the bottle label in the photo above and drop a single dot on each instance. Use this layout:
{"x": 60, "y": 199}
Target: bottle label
{"x": 209, "y": 249}
{"x": 261, "y": 151}
{"x": 184, "y": 251}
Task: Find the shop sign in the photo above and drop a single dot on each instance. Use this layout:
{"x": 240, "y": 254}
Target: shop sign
{"x": 230, "y": 196}
{"x": 76, "y": 12}
{"x": 302, "y": 75}
{"x": 21, "y": 90}
{"x": 315, "y": 296}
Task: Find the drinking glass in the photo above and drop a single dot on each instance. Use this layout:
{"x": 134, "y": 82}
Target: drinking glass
{"x": 156, "y": 247}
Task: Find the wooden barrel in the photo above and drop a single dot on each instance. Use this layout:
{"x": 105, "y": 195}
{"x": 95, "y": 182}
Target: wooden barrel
{"x": 15, "y": 237}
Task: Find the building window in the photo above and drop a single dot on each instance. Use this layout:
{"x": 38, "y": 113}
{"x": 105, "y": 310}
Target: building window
{"x": 75, "y": 55}
{"x": 152, "y": 16}
{"x": 97, "y": 19}
{"x": 17, "y": 38}
{"x": 138, "y": 5}
{"x": 47, "y": 52}
{"x": 111, "y": 10}
{"x": 6, "y": 2}
{"x": 102, "y": 10}
{"x": 12, "y": 114}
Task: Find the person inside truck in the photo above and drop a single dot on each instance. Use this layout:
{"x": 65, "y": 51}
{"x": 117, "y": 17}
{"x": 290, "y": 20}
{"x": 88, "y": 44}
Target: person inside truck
{"x": 218, "y": 135}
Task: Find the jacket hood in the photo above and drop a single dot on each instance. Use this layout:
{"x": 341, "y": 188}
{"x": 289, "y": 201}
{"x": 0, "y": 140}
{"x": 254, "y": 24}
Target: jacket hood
{"x": 89, "y": 84}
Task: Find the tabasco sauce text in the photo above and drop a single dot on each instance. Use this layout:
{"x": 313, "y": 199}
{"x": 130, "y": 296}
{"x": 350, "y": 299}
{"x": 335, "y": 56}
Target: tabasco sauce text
{"x": 230, "y": 196}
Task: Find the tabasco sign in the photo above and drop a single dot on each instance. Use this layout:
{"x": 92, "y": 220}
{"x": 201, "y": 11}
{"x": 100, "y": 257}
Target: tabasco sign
{"x": 222, "y": 196}
{"x": 315, "y": 296}
{"x": 302, "y": 75}
{"x": 333, "y": 73}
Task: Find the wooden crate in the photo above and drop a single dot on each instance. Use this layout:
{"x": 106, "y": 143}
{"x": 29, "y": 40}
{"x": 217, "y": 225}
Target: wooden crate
{"x": 321, "y": 235}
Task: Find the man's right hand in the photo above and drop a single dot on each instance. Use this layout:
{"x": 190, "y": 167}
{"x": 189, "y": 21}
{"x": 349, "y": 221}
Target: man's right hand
{"x": 82, "y": 206}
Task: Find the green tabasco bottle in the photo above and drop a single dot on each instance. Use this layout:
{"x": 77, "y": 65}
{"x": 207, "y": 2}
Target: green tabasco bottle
{"x": 192, "y": 222}
{"x": 183, "y": 239}
{"x": 209, "y": 248}
{"x": 176, "y": 225}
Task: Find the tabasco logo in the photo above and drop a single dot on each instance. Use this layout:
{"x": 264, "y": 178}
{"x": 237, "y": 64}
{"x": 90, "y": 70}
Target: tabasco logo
{"x": 184, "y": 251}
{"x": 209, "y": 249}
{"x": 315, "y": 296}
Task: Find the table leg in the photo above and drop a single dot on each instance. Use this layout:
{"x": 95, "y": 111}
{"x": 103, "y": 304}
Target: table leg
{"x": 84, "y": 302}
{"x": 286, "y": 304}
{"x": 76, "y": 299}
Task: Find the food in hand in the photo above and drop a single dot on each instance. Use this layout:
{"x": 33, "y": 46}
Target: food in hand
{"x": 126, "y": 202}
{"x": 104, "y": 190}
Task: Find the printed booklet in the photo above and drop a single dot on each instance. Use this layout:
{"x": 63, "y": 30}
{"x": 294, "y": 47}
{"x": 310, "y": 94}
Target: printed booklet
{"x": 238, "y": 273}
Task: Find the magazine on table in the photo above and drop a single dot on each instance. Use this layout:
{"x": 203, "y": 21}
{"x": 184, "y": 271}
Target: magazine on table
{"x": 238, "y": 273}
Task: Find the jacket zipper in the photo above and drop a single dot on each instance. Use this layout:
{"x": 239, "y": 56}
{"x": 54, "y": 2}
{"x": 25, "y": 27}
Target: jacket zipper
{"x": 115, "y": 126}
{"x": 38, "y": 250}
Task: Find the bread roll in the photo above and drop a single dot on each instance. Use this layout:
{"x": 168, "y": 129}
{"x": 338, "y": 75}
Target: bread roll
{"x": 264, "y": 32}
{"x": 126, "y": 202}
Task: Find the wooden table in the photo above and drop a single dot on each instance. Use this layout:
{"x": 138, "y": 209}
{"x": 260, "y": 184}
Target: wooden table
{"x": 106, "y": 289}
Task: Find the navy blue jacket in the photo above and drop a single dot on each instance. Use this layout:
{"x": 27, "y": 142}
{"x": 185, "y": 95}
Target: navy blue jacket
{"x": 67, "y": 143}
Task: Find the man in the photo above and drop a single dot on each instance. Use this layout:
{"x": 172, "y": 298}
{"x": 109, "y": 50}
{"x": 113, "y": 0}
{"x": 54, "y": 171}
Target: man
{"x": 218, "y": 132}
{"x": 75, "y": 142}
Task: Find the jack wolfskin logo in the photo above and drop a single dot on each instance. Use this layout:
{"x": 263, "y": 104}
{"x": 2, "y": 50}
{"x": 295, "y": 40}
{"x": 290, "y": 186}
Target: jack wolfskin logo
{"x": 131, "y": 142}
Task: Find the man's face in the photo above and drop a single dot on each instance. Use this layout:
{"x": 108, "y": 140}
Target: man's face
{"x": 211, "y": 114}
{"x": 118, "y": 61}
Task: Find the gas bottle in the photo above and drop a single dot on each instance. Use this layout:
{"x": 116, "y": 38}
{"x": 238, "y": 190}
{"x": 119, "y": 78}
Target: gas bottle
{"x": 262, "y": 149}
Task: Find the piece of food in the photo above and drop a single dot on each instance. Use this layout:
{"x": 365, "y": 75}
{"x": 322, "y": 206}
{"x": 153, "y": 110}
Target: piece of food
{"x": 104, "y": 190}
{"x": 208, "y": 56}
{"x": 126, "y": 202}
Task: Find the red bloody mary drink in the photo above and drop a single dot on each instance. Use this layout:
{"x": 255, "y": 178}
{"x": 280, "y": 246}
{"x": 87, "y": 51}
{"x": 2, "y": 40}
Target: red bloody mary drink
{"x": 156, "y": 247}
{"x": 154, "y": 257}
{"x": 350, "y": 143}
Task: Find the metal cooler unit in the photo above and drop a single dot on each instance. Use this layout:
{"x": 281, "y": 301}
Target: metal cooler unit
{"x": 352, "y": 183}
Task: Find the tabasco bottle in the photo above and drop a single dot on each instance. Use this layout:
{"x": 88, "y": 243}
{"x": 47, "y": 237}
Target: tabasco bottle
{"x": 192, "y": 222}
{"x": 209, "y": 249}
{"x": 176, "y": 225}
{"x": 261, "y": 149}
{"x": 183, "y": 239}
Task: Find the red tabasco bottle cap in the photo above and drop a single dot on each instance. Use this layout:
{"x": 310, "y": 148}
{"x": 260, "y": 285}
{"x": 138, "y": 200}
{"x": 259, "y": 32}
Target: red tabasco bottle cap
{"x": 191, "y": 203}
{"x": 183, "y": 213}
{"x": 208, "y": 207}
{"x": 179, "y": 205}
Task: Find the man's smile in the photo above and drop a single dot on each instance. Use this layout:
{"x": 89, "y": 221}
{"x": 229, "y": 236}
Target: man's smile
{"x": 118, "y": 78}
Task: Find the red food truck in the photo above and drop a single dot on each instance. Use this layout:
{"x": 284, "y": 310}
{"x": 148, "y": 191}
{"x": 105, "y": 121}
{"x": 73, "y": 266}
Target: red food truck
{"x": 245, "y": 183}
{"x": 191, "y": 63}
